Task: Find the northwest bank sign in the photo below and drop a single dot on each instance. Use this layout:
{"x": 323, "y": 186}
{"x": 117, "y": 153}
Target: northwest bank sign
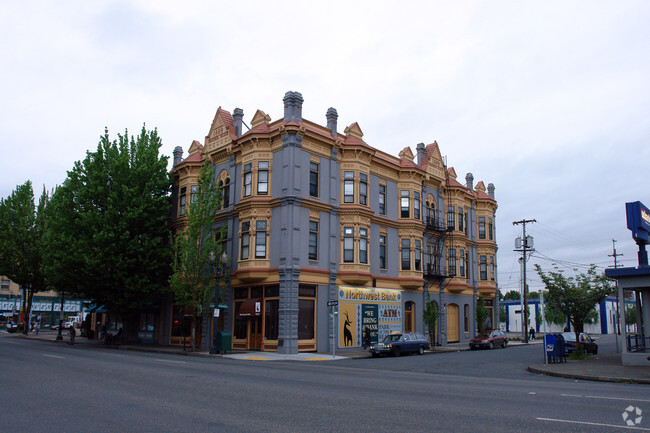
{"x": 638, "y": 221}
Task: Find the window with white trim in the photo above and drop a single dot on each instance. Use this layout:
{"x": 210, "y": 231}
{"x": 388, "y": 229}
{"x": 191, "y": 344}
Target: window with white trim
{"x": 348, "y": 187}
{"x": 245, "y": 240}
{"x": 348, "y": 244}
{"x": 406, "y": 254}
{"x": 248, "y": 180}
{"x": 260, "y": 239}
{"x": 363, "y": 245}
{"x": 405, "y": 204}
{"x": 313, "y": 240}
{"x": 263, "y": 177}
{"x": 363, "y": 188}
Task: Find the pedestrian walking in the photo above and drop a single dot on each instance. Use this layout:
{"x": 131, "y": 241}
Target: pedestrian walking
{"x": 37, "y": 327}
{"x": 73, "y": 333}
{"x": 532, "y": 333}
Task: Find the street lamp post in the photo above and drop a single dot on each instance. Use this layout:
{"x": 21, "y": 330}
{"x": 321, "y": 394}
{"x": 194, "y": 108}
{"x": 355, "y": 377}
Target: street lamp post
{"x": 218, "y": 269}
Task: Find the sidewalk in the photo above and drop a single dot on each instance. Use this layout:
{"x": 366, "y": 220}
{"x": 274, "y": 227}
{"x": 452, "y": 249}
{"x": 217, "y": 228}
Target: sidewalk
{"x": 604, "y": 367}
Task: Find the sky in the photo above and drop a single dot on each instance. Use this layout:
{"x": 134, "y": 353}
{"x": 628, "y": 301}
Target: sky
{"x": 549, "y": 101}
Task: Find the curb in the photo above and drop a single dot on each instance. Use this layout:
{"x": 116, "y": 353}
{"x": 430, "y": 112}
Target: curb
{"x": 591, "y": 378}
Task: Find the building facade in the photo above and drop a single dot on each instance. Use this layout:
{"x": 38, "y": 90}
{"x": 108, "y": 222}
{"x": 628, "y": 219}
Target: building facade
{"x": 315, "y": 217}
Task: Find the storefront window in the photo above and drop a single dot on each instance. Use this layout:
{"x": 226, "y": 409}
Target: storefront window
{"x": 271, "y": 319}
{"x": 306, "y": 312}
{"x": 181, "y": 324}
{"x": 239, "y": 328}
{"x": 147, "y": 321}
{"x": 305, "y": 319}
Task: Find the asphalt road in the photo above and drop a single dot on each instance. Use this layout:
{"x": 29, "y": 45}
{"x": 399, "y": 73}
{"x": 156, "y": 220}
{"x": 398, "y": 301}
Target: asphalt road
{"x": 55, "y": 387}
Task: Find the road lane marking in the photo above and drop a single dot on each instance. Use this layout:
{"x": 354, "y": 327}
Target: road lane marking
{"x": 169, "y": 360}
{"x": 605, "y": 398}
{"x": 53, "y": 356}
{"x": 566, "y": 421}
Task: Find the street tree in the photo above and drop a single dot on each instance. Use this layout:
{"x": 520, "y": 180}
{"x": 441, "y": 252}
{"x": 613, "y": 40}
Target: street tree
{"x": 630, "y": 314}
{"x": 482, "y": 313}
{"x": 106, "y": 233}
{"x": 512, "y": 295}
{"x": 192, "y": 279}
{"x": 430, "y": 317}
{"x": 21, "y": 243}
{"x": 575, "y": 296}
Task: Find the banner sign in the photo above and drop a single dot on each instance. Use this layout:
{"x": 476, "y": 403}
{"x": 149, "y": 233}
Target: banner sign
{"x": 378, "y": 310}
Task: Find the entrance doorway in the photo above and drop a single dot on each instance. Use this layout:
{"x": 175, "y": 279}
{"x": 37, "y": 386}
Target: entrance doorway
{"x": 452, "y": 324}
{"x": 255, "y": 333}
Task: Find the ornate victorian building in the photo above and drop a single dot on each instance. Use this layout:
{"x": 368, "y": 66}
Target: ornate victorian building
{"x": 315, "y": 217}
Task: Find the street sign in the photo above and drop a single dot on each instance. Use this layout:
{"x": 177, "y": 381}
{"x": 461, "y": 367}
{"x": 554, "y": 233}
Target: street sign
{"x": 332, "y": 303}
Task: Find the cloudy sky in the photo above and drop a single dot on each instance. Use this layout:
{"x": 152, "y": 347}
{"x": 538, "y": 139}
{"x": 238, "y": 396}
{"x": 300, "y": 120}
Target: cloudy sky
{"x": 549, "y": 101}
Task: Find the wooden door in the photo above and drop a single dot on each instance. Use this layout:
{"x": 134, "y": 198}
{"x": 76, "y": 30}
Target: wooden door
{"x": 452, "y": 324}
{"x": 255, "y": 333}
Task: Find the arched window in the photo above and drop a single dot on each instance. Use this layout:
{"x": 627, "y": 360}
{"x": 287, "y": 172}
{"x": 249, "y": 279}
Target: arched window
{"x": 431, "y": 213}
{"x": 226, "y": 192}
{"x": 223, "y": 186}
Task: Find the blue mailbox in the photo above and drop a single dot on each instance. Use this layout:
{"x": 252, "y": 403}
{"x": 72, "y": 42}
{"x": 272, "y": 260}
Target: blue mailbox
{"x": 554, "y": 344}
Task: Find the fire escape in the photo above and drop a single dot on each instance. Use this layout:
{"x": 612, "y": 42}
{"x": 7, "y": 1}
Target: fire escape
{"x": 435, "y": 231}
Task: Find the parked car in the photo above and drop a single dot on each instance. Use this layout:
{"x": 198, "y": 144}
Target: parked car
{"x": 12, "y": 326}
{"x": 397, "y": 343}
{"x": 68, "y": 324}
{"x": 570, "y": 344}
{"x": 489, "y": 340}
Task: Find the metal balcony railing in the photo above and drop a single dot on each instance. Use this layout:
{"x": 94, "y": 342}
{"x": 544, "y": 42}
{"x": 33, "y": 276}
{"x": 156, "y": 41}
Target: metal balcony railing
{"x": 638, "y": 343}
{"x": 433, "y": 271}
{"x": 436, "y": 224}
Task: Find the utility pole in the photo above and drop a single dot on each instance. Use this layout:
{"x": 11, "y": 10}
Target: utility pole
{"x": 618, "y": 312}
{"x": 526, "y": 245}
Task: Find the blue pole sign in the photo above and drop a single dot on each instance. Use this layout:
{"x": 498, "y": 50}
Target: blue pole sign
{"x": 638, "y": 221}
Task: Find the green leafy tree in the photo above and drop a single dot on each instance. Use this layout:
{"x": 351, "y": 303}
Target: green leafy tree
{"x": 21, "y": 243}
{"x": 192, "y": 280}
{"x": 512, "y": 295}
{"x": 503, "y": 315}
{"x": 575, "y": 296}
{"x": 630, "y": 314}
{"x": 106, "y": 227}
{"x": 430, "y": 317}
{"x": 551, "y": 313}
{"x": 481, "y": 313}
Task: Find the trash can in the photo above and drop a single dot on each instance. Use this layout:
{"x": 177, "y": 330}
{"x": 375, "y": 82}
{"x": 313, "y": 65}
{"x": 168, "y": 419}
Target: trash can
{"x": 223, "y": 342}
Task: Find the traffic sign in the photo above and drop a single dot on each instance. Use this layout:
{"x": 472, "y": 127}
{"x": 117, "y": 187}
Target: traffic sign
{"x": 332, "y": 303}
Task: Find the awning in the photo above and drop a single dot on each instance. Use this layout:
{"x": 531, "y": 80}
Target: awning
{"x": 251, "y": 308}
{"x": 96, "y": 309}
